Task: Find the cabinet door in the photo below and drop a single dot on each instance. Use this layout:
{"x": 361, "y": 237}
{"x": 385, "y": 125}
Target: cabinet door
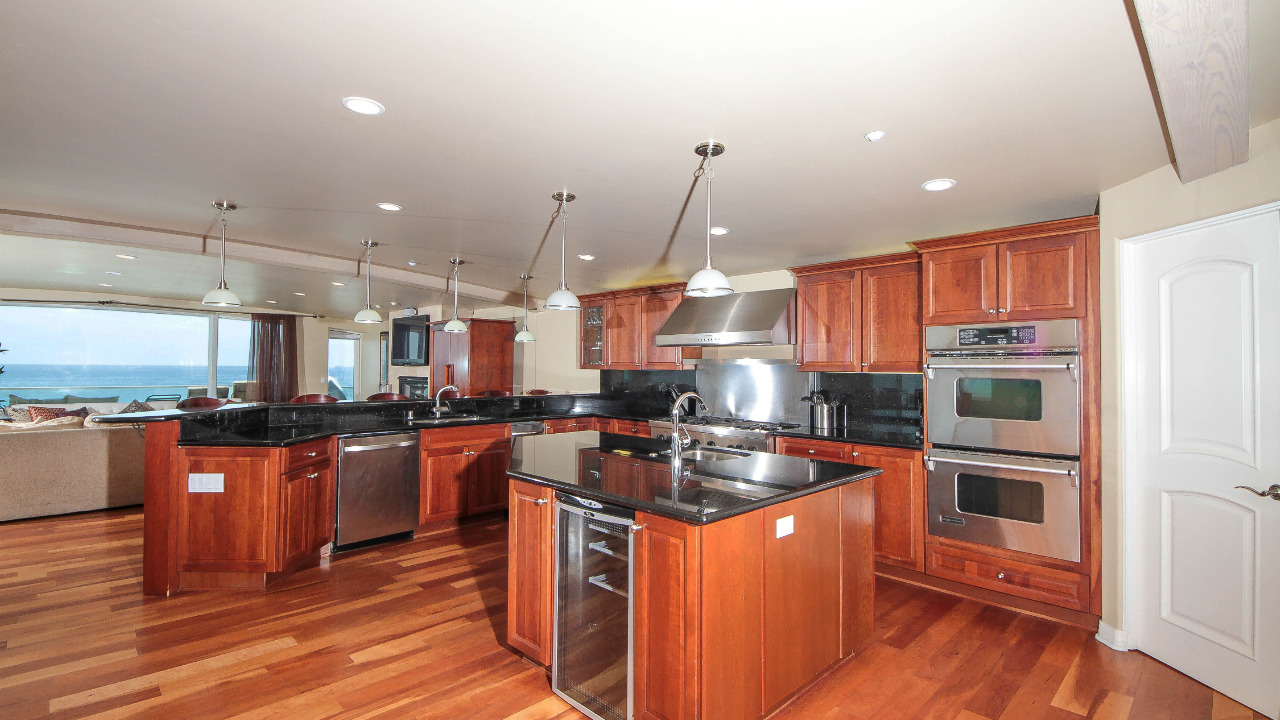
{"x": 657, "y": 308}
{"x": 1043, "y": 278}
{"x": 322, "y": 510}
{"x": 592, "y": 338}
{"x": 450, "y": 360}
{"x": 959, "y": 285}
{"x": 620, "y": 475}
{"x": 487, "y": 480}
{"x": 530, "y": 540}
{"x": 892, "y": 331}
{"x": 829, "y": 321}
{"x": 814, "y": 449}
{"x": 622, "y": 332}
{"x": 665, "y": 611}
{"x": 899, "y": 503}
{"x": 444, "y": 478}
{"x": 296, "y": 518}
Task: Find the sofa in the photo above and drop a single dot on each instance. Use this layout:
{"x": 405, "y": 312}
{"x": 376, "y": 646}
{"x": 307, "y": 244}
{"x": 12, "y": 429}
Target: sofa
{"x": 65, "y": 465}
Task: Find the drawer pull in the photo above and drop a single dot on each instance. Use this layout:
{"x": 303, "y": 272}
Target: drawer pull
{"x": 313, "y": 476}
{"x": 540, "y": 501}
{"x": 812, "y": 452}
{"x": 313, "y": 453}
{"x": 999, "y": 576}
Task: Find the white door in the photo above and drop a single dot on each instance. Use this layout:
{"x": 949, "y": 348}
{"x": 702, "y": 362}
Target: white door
{"x": 1201, "y": 346}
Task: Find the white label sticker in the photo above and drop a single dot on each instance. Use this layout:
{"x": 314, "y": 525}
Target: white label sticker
{"x": 786, "y": 525}
{"x": 205, "y": 482}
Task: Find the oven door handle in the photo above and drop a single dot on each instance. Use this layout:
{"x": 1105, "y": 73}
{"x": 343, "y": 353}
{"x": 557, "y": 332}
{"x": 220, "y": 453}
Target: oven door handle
{"x": 930, "y": 462}
{"x": 1075, "y": 370}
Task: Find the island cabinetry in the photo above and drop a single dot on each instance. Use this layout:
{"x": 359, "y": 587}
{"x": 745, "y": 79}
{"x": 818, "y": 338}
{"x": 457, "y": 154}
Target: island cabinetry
{"x": 860, "y": 315}
{"x": 1030, "y": 272}
{"x": 247, "y": 516}
{"x": 531, "y": 535}
{"x": 463, "y": 471}
{"x": 618, "y": 329}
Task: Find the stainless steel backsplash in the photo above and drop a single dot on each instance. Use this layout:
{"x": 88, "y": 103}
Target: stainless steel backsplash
{"x": 755, "y": 391}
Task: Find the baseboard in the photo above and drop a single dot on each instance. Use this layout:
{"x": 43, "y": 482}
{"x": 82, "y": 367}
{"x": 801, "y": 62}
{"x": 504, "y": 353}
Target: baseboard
{"x": 1113, "y": 638}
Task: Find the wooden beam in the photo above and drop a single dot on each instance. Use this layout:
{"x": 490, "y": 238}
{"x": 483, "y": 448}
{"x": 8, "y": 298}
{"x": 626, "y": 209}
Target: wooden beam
{"x": 1199, "y": 58}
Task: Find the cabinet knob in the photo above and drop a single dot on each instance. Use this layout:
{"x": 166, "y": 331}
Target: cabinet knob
{"x": 540, "y": 501}
{"x": 1000, "y": 576}
{"x": 991, "y": 311}
{"x": 864, "y": 364}
{"x": 1003, "y": 310}
{"x": 812, "y": 452}
{"x": 636, "y": 528}
{"x": 311, "y": 454}
{"x": 313, "y": 476}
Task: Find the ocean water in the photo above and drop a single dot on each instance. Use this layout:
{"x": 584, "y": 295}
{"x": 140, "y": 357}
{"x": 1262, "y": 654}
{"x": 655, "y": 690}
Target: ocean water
{"x": 130, "y": 382}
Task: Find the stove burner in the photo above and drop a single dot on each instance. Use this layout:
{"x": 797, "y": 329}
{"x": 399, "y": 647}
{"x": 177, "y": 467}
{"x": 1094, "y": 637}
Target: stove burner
{"x": 738, "y": 424}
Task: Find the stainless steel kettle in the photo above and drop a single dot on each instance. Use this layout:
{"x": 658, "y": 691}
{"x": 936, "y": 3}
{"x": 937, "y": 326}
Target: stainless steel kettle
{"x": 822, "y": 413}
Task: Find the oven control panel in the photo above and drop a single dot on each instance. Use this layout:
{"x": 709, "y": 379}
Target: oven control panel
{"x": 980, "y": 336}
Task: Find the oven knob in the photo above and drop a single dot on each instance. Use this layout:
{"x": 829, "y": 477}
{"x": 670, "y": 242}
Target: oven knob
{"x": 711, "y": 443}
{"x": 662, "y": 438}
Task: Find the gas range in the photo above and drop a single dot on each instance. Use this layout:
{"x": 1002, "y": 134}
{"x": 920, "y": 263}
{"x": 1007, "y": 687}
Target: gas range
{"x": 723, "y": 432}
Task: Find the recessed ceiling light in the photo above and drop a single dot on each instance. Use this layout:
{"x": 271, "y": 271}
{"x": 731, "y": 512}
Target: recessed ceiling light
{"x": 392, "y": 303}
{"x": 339, "y": 284}
{"x": 363, "y": 105}
{"x": 113, "y": 272}
{"x": 717, "y": 230}
{"x": 390, "y": 207}
{"x": 875, "y": 135}
{"x": 300, "y": 294}
{"x": 105, "y": 284}
{"x": 939, "y": 185}
{"x": 413, "y": 263}
{"x": 586, "y": 257}
{"x": 127, "y": 257}
{"x": 272, "y": 302}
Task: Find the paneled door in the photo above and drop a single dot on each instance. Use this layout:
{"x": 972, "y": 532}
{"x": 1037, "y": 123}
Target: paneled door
{"x": 1201, "y": 348}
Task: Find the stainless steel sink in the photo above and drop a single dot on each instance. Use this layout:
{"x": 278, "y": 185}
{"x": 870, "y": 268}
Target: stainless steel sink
{"x": 705, "y": 453}
{"x": 444, "y": 419}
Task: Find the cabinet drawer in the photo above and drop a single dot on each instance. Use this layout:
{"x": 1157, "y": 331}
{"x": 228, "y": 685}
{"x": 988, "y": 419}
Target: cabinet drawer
{"x": 1047, "y": 585}
{"x": 814, "y": 449}
{"x": 564, "y": 425}
{"x": 629, "y": 427}
{"x": 465, "y": 435}
{"x": 309, "y": 453}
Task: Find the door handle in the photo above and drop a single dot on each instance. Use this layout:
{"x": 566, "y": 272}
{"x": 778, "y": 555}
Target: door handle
{"x": 540, "y": 501}
{"x": 1272, "y": 492}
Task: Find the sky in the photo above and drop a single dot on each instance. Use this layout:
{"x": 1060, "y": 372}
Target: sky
{"x": 79, "y": 336}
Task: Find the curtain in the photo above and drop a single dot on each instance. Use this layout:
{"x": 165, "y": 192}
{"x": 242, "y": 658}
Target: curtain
{"x": 273, "y": 358}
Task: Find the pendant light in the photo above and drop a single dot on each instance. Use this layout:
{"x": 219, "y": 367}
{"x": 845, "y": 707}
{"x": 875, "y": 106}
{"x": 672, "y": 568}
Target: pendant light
{"x": 524, "y": 336}
{"x": 368, "y": 314}
{"x": 455, "y": 325}
{"x": 708, "y": 282}
{"x": 222, "y": 296}
{"x": 562, "y": 299}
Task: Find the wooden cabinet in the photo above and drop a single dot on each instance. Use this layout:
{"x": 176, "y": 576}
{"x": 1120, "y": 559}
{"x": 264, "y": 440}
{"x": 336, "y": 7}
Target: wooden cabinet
{"x": 899, "y": 504}
{"x": 1031, "y": 272}
{"x": 860, "y": 315}
{"x": 463, "y": 471}
{"x": 1034, "y": 582}
{"x": 478, "y": 361}
{"x": 666, "y": 614}
{"x": 531, "y": 537}
{"x": 617, "y": 330}
{"x": 638, "y": 428}
{"x": 814, "y": 449}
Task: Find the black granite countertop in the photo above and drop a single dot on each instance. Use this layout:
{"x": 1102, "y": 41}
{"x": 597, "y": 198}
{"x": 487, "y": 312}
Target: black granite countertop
{"x": 888, "y": 435}
{"x": 632, "y": 472}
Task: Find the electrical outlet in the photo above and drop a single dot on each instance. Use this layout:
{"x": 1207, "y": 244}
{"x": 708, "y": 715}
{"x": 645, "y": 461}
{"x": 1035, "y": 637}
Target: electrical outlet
{"x": 205, "y": 482}
{"x": 786, "y": 526}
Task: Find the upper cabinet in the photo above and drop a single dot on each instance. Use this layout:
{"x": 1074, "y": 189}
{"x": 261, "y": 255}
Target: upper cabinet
{"x": 618, "y": 329}
{"x": 1031, "y": 272}
{"x": 860, "y": 315}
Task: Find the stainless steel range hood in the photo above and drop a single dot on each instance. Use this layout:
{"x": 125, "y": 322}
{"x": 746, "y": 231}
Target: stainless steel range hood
{"x": 749, "y": 318}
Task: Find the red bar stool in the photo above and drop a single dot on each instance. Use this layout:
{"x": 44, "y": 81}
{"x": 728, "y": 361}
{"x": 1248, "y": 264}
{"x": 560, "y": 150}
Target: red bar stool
{"x": 201, "y": 403}
{"x": 313, "y": 398}
{"x": 381, "y": 397}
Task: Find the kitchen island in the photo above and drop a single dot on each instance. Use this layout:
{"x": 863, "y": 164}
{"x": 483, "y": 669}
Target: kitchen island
{"x": 752, "y": 572}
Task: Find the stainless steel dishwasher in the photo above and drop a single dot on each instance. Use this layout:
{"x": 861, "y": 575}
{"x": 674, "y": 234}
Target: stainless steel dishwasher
{"x": 378, "y": 487}
{"x": 591, "y": 651}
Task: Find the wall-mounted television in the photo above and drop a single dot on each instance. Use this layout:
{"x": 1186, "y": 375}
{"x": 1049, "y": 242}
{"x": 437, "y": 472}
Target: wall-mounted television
{"x": 409, "y": 340}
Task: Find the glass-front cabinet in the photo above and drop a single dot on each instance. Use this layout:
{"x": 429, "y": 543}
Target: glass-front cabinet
{"x": 592, "y": 336}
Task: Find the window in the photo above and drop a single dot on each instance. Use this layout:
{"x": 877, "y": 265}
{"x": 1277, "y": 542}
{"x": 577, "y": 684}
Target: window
{"x": 344, "y": 355}
{"x": 128, "y": 355}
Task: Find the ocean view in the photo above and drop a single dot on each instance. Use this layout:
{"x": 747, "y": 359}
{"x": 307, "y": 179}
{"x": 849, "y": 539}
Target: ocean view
{"x": 130, "y": 382}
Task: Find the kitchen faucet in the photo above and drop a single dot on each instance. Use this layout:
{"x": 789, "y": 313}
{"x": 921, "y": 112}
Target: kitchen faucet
{"x": 676, "y": 428}
{"x": 439, "y": 410}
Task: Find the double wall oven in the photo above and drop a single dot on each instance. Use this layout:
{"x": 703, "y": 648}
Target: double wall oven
{"x": 1003, "y": 418}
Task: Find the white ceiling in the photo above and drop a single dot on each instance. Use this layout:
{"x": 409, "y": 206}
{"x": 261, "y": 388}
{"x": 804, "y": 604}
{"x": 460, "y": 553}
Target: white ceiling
{"x": 145, "y": 112}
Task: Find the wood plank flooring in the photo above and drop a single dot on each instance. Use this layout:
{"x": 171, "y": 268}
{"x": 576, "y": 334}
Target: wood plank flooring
{"x": 414, "y": 630}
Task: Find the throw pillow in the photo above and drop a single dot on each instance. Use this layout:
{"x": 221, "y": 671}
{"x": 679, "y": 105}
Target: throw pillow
{"x": 72, "y": 399}
{"x": 80, "y": 413}
{"x": 15, "y": 400}
{"x": 40, "y": 414}
{"x": 20, "y": 414}
{"x": 136, "y": 406}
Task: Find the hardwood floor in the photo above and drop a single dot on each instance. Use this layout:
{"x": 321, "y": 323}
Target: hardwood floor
{"x": 413, "y": 630}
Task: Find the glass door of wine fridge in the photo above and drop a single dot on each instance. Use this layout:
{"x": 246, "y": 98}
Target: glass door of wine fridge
{"x": 592, "y": 646}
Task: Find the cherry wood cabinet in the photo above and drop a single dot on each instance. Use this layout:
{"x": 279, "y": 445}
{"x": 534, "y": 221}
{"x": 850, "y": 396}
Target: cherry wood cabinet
{"x": 666, "y": 612}
{"x": 814, "y": 449}
{"x": 463, "y": 471}
{"x": 618, "y": 328}
{"x": 622, "y": 316}
{"x": 591, "y": 333}
{"x": 478, "y": 361}
{"x": 1034, "y": 582}
{"x": 899, "y": 504}
{"x": 657, "y": 308}
{"x": 1030, "y": 272}
{"x": 860, "y": 315}
{"x": 531, "y": 537}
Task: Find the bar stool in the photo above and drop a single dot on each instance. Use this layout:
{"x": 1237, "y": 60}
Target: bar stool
{"x": 201, "y": 403}
{"x": 381, "y": 397}
{"x": 313, "y": 398}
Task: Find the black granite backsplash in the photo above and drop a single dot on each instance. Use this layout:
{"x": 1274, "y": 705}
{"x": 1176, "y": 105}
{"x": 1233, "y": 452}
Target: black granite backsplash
{"x": 888, "y": 404}
{"x": 644, "y": 393}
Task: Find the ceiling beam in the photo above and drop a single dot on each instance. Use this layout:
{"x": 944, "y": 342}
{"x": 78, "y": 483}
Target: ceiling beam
{"x": 1198, "y": 52}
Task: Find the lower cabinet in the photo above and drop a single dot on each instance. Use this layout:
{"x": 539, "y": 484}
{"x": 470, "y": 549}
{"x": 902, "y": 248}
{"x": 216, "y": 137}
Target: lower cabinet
{"x": 463, "y": 471}
{"x": 1034, "y": 582}
{"x": 530, "y": 536}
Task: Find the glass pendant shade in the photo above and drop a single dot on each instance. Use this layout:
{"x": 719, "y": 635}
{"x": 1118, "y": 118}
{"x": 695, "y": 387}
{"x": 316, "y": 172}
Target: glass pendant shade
{"x": 368, "y": 315}
{"x": 562, "y": 299}
{"x": 455, "y": 326}
{"x": 708, "y": 282}
{"x": 221, "y": 297}
{"x": 524, "y": 336}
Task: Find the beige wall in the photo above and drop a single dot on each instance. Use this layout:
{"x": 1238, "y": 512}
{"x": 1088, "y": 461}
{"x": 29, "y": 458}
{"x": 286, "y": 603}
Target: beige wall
{"x": 1157, "y": 201}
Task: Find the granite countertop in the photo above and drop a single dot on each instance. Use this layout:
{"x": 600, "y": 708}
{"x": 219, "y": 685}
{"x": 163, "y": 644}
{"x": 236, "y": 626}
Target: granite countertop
{"x": 631, "y": 472}
{"x": 888, "y": 435}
